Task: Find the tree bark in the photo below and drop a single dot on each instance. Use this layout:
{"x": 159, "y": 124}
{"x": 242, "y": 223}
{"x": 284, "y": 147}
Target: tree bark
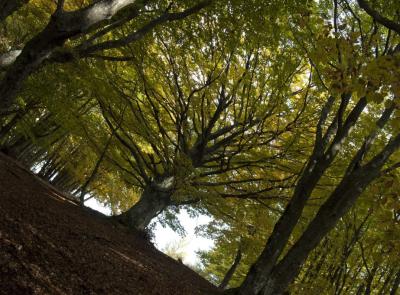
{"x": 232, "y": 269}
{"x": 396, "y": 284}
{"x": 315, "y": 168}
{"x": 154, "y": 199}
{"x": 339, "y": 202}
{"x": 64, "y": 25}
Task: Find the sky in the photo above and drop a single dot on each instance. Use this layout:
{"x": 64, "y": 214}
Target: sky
{"x": 165, "y": 236}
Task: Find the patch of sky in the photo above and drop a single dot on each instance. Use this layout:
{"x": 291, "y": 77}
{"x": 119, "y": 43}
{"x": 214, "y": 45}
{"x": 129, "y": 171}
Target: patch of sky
{"x": 164, "y": 236}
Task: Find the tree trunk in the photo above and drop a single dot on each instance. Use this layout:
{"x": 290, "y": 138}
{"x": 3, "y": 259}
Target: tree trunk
{"x": 386, "y": 282}
{"x": 64, "y": 25}
{"x": 155, "y": 198}
{"x": 340, "y": 201}
{"x": 330, "y": 212}
{"x": 318, "y": 163}
{"x": 232, "y": 269}
{"x": 7, "y": 127}
{"x": 396, "y": 284}
{"x": 258, "y": 274}
{"x": 93, "y": 174}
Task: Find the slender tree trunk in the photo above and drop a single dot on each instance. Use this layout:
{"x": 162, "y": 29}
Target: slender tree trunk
{"x": 93, "y": 174}
{"x": 6, "y": 128}
{"x": 328, "y": 215}
{"x": 396, "y": 284}
{"x": 360, "y": 289}
{"x": 266, "y": 276}
{"x": 257, "y": 275}
{"x": 386, "y": 282}
{"x": 155, "y": 198}
{"x": 315, "y": 168}
{"x": 229, "y": 274}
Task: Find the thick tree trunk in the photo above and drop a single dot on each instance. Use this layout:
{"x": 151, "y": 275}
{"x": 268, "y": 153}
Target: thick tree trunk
{"x": 155, "y": 198}
{"x": 31, "y": 57}
{"x": 62, "y": 26}
{"x": 316, "y": 166}
{"x": 340, "y": 201}
{"x": 277, "y": 280}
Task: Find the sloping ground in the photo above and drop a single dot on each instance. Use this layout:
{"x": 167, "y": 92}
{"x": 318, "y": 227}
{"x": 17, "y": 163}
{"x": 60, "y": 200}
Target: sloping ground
{"x": 49, "y": 245}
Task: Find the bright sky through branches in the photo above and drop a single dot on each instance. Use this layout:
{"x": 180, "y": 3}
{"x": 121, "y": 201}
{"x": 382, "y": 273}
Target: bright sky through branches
{"x": 165, "y": 236}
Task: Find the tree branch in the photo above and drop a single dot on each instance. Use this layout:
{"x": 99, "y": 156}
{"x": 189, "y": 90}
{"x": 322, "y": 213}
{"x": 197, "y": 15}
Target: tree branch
{"x": 378, "y": 17}
{"x": 8, "y": 7}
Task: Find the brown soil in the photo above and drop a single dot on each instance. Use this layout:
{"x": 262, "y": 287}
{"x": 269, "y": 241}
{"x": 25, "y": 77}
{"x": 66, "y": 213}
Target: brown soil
{"x": 50, "y": 245}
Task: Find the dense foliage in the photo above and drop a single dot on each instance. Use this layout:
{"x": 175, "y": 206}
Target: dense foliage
{"x": 280, "y": 119}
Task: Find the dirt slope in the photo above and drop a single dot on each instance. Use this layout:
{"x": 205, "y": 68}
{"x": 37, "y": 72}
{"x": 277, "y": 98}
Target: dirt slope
{"x": 49, "y": 245}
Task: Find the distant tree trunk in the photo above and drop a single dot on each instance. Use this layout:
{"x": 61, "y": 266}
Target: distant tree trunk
{"x": 6, "y": 128}
{"x": 386, "y": 282}
{"x": 232, "y": 269}
{"x": 396, "y": 284}
{"x": 154, "y": 199}
{"x": 93, "y": 174}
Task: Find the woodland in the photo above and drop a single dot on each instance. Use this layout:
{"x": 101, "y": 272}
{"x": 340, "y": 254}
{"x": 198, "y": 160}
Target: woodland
{"x": 278, "y": 119}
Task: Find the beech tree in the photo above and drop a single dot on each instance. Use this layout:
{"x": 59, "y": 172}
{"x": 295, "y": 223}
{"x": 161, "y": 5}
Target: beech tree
{"x": 283, "y": 124}
{"x": 198, "y": 125}
{"x": 352, "y": 83}
{"x": 55, "y": 170}
{"x": 91, "y": 23}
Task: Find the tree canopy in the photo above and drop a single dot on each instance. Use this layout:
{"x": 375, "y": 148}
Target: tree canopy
{"x": 280, "y": 119}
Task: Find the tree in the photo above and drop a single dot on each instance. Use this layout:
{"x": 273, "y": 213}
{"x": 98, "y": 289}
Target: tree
{"x": 216, "y": 143}
{"x": 276, "y": 122}
{"x": 100, "y": 18}
{"x": 199, "y": 121}
{"x": 269, "y": 275}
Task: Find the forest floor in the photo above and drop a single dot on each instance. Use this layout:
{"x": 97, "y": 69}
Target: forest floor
{"x": 50, "y": 245}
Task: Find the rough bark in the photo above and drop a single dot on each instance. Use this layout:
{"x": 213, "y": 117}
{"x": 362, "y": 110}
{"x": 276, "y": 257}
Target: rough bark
{"x": 317, "y": 164}
{"x": 267, "y": 276}
{"x": 340, "y": 201}
{"x": 64, "y": 25}
{"x": 154, "y": 199}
